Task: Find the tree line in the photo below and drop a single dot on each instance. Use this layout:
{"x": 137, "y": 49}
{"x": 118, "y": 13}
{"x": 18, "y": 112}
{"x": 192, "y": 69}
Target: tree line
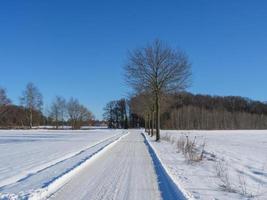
{"x": 184, "y": 110}
{"x": 29, "y": 113}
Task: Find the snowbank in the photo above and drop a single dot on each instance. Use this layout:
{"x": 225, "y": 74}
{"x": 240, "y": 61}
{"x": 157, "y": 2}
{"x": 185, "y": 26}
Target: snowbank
{"x": 238, "y": 156}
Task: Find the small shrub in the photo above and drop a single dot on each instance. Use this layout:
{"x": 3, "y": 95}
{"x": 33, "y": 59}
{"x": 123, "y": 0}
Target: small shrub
{"x": 243, "y": 186}
{"x": 222, "y": 173}
{"x": 187, "y": 146}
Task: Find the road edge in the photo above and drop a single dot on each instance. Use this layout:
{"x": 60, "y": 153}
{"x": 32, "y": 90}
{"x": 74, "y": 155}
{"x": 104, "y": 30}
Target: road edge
{"x": 180, "y": 189}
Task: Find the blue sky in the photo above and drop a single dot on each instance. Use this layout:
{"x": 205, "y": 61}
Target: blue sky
{"x": 78, "y": 48}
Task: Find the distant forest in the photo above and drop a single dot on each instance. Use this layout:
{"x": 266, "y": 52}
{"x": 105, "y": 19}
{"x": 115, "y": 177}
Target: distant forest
{"x": 188, "y": 111}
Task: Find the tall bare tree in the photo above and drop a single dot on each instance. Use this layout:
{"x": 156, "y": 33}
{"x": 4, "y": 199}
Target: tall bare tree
{"x": 32, "y": 100}
{"x": 58, "y": 110}
{"x": 4, "y": 100}
{"x": 158, "y": 69}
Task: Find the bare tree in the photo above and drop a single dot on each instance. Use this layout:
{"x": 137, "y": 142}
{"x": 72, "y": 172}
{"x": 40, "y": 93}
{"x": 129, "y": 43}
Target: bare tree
{"x": 110, "y": 114}
{"x": 78, "y": 114}
{"x": 115, "y": 113}
{"x": 157, "y": 69}
{"x": 58, "y": 110}
{"x": 4, "y": 100}
{"x": 73, "y": 111}
{"x": 32, "y": 100}
{"x": 85, "y": 115}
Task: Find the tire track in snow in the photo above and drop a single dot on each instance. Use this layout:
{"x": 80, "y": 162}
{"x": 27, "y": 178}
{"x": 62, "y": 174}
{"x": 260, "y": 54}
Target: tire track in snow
{"x": 25, "y": 194}
{"x": 24, "y": 176}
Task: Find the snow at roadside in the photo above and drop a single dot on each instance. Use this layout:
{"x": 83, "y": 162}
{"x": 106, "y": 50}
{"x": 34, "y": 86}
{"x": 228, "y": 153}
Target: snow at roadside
{"x": 242, "y": 155}
{"x": 31, "y": 160}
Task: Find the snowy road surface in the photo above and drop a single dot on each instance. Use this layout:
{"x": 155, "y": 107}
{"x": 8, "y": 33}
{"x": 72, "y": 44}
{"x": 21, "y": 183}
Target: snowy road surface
{"x": 125, "y": 171}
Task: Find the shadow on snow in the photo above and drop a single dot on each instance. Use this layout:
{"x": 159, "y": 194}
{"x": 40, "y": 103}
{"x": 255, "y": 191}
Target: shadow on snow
{"x": 168, "y": 189}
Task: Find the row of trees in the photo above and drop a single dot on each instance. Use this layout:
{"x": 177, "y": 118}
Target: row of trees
{"x": 189, "y": 117}
{"x": 187, "y": 111}
{"x": 29, "y": 113}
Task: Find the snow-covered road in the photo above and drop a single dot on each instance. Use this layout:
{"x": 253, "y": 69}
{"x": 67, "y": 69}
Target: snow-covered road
{"x": 124, "y": 171}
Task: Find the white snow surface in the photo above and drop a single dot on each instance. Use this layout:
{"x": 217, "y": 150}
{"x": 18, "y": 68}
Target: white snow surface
{"x": 31, "y": 160}
{"x": 115, "y": 164}
{"x": 242, "y": 152}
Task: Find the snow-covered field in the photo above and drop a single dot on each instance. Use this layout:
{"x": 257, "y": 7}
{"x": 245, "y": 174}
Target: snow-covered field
{"x": 234, "y": 165}
{"x": 37, "y": 163}
{"x": 31, "y": 160}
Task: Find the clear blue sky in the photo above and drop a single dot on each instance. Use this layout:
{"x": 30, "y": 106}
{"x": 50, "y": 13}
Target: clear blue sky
{"x": 77, "y": 48}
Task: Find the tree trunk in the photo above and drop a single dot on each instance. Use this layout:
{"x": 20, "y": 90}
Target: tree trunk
{"x": 152, "y": 123}
{"x": 126, "y": 126}
{"x": 157, "y": 117}
{"x": 30, "y": 118}
{"x": 149, "y": 124}
{"x": 57, "y": 123}
{"x": 145, "y": 124}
